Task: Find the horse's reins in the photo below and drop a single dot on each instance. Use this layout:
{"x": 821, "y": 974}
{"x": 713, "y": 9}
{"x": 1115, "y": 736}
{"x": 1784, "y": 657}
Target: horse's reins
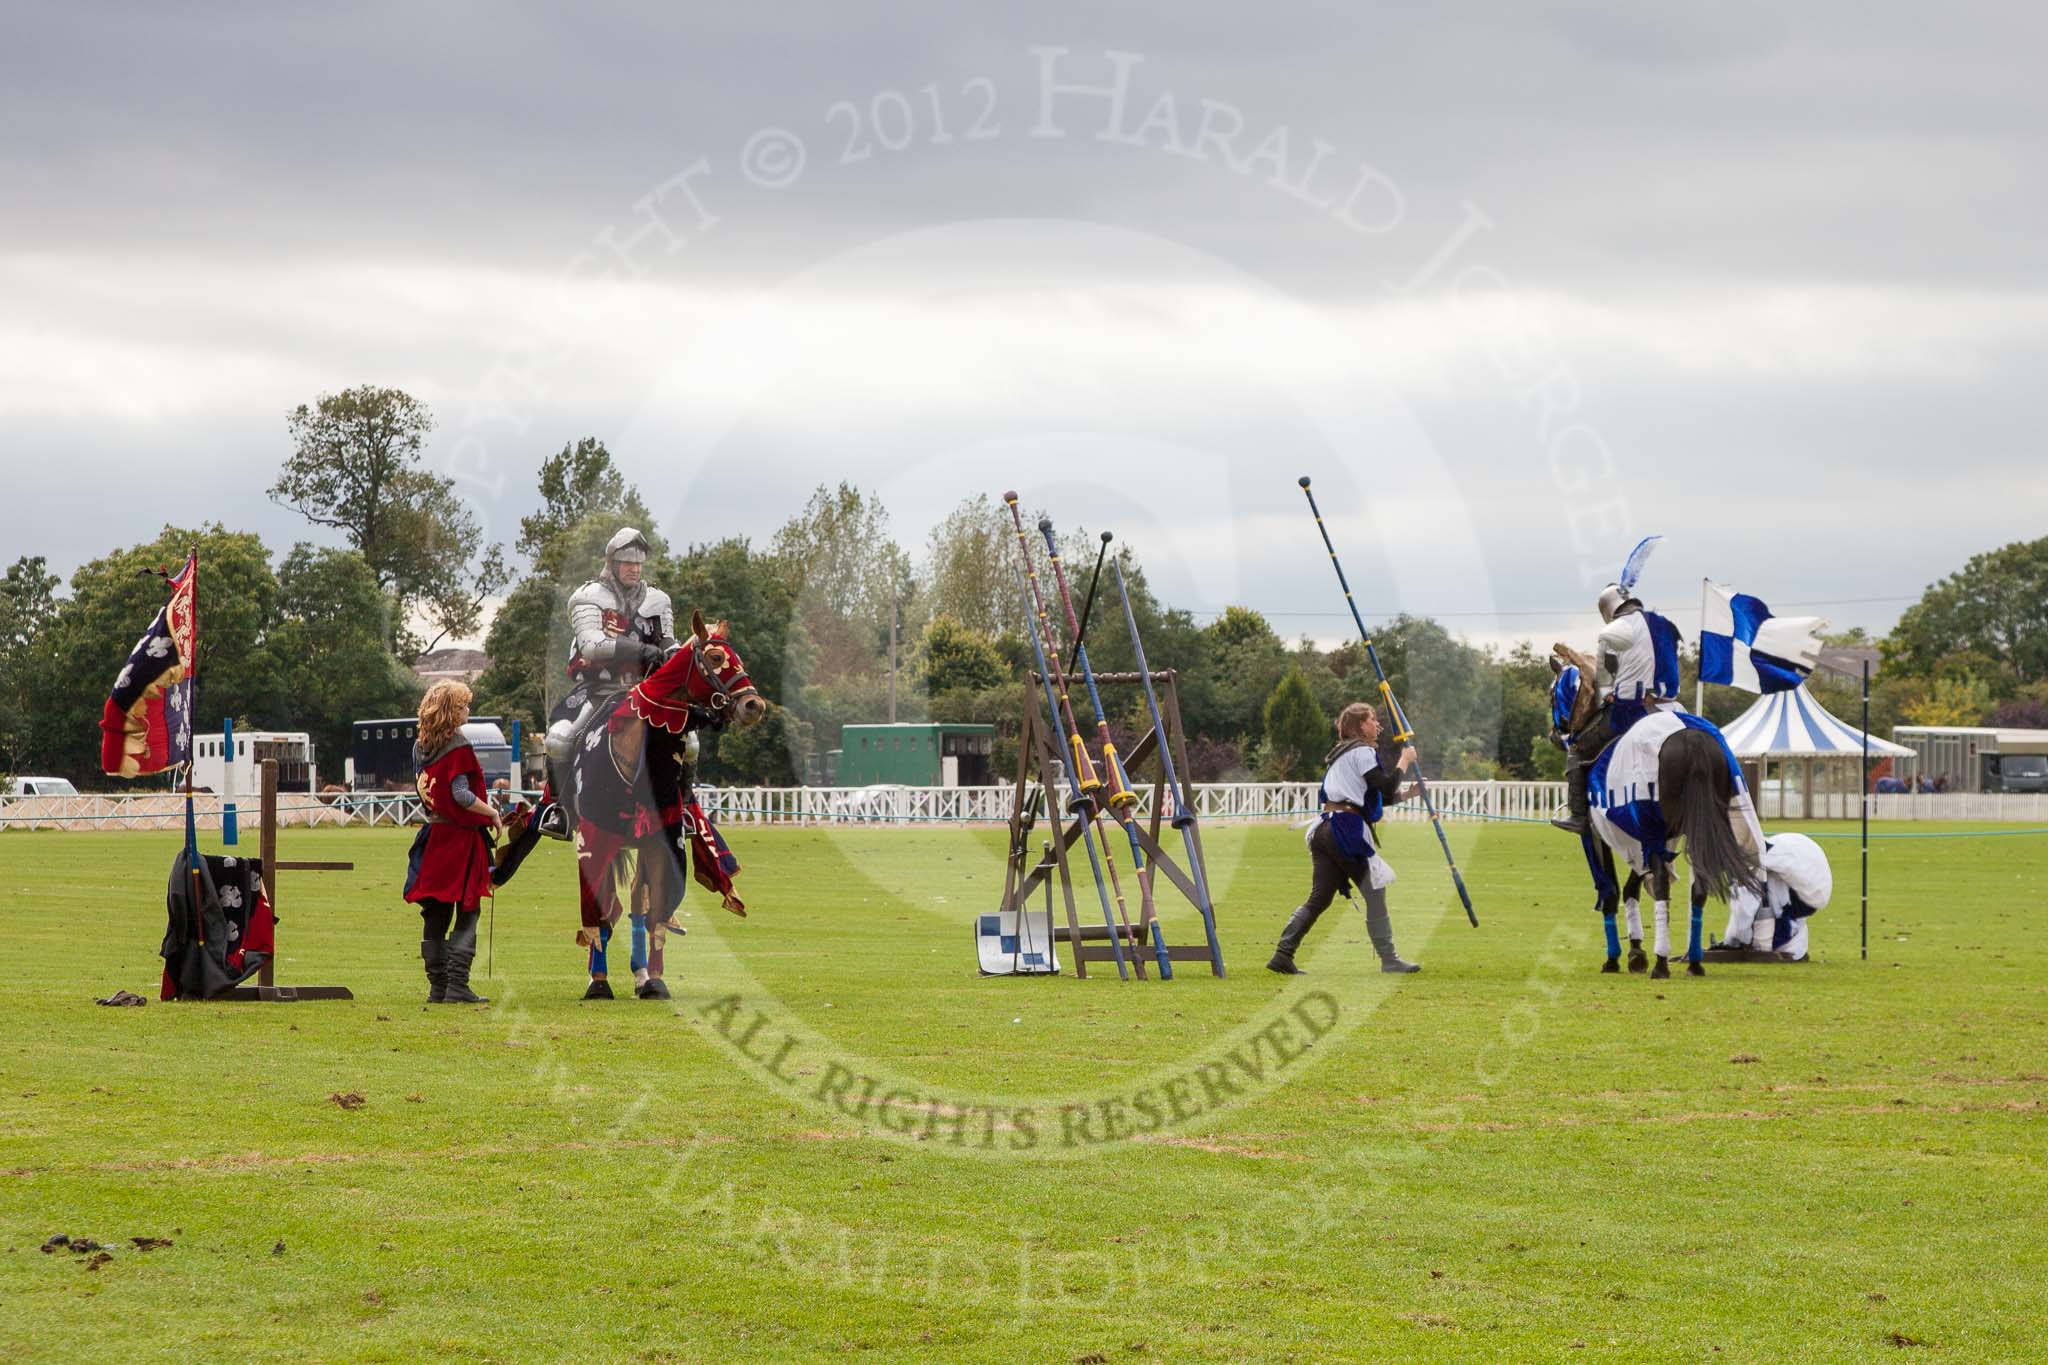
{"x": 722, "y": 691}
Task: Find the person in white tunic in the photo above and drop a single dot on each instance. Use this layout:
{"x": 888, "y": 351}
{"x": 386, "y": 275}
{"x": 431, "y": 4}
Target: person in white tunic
{"x": 1342, "y": 849}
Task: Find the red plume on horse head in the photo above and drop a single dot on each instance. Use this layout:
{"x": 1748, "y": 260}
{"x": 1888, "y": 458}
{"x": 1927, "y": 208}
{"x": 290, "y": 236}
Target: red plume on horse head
{"x": 704, "y": 672}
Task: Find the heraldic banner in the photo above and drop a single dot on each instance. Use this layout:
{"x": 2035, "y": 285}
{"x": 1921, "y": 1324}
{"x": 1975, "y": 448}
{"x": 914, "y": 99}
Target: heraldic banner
{"x": 147, "y": 724}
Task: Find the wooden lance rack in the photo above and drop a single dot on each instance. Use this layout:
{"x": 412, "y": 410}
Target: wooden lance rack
{"x": 266, "y": 987}
{"x": 1039, "y": 756}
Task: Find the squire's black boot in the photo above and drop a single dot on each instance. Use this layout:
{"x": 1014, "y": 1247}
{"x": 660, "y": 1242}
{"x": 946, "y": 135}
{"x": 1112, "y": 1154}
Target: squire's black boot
{"x": 461, "y": 952}
{"x": 433, "y": 952}
{"x": 1297, "y": 929}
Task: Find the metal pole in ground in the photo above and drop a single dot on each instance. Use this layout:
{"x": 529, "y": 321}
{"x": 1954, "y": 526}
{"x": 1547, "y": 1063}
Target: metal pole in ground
{"x": 1866, "y": 811}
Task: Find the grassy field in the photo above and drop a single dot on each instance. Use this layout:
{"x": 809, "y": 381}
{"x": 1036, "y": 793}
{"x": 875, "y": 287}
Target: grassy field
{"x": 838, "y": 1140}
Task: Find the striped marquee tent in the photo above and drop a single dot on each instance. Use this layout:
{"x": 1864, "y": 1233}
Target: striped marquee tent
{"x": 1795, "y": 733}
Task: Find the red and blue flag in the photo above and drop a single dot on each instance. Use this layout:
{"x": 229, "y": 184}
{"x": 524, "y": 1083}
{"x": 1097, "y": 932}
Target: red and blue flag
{"x": 146, "y": 726}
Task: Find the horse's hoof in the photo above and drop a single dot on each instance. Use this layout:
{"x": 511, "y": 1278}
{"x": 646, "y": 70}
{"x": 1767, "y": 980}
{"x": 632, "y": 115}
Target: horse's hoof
{"x": 1660, "y": 972}
{"x": 1638, "y": 960}
{"x": 653, "y": 988}
{"x": 1695, "y": 969}
{"x": 1612, "y": 964}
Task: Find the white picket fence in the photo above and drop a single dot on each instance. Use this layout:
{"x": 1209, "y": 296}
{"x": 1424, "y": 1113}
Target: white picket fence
{"x": 1248, "y": 802}
{"x": 163, "y": 810}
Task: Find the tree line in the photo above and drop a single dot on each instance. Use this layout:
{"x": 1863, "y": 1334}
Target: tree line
{"x": 318, "y": 638}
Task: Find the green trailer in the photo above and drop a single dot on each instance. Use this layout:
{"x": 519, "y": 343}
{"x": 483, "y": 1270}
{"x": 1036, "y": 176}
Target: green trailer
{"x": 916, "y": 755}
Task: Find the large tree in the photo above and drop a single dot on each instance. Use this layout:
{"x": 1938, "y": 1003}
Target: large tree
{"x": 1297, "y": 732}
{"x": 847, "y": 575}
{"x": 1997, "y": 607}
{"x": 1450, "y": 692}
{"x": 28, "y": 659}
{"x": 951, "y": 657}
{"x": 584, "y": 501}
{"x": 527, "y": 647}
{"x": 327, "y": 652}
{"x": 970, "y": 567}
{"x": 112, "y": 601}
{"x": 729, "y": 580}
{"x": 355, "y": 466}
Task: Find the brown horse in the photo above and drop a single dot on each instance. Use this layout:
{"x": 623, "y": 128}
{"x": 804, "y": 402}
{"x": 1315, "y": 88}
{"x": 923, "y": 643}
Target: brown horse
{"x": 637, "y": 819}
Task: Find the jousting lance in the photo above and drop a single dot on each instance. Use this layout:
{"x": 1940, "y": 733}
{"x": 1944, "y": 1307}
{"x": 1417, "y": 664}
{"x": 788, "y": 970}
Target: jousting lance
{"x": 1183, "y": 809}
{"x": 1123, "y": 802}
{"x": 1080, "y": 772}
{"x": 1403, "y": 733}
{"x": 1081, "y": 803}
{"x": 1088, "y": 606}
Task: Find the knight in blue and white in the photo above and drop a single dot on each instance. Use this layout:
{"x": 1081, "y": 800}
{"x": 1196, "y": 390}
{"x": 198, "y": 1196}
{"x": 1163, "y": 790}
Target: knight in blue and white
{"x": 1635, "y": 673}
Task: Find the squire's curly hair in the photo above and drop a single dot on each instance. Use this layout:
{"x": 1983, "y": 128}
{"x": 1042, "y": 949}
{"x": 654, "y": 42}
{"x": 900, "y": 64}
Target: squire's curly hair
{"x": 441, "y": 712}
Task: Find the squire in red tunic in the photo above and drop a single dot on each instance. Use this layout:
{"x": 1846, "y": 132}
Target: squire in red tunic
{"x": 450, "y": 860}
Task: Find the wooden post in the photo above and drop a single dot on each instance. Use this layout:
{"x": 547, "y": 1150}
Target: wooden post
{"x": 266, "y": 987}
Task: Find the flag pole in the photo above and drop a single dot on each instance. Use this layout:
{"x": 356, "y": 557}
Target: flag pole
{"x": 1699, "y": 673}
{"x": 1866, "y": 811}
{"x": 191, "y": 710}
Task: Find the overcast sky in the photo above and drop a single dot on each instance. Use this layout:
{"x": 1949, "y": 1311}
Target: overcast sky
{"x": 1518, "y": 284}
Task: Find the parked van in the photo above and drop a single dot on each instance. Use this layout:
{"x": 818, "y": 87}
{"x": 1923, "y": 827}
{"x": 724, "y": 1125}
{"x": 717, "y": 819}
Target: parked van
{"x": 40, "y": 786}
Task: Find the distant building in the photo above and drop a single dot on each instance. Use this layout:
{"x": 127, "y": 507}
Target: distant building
{"x": 915, "y": 755}
{"x": 463, "y": 665}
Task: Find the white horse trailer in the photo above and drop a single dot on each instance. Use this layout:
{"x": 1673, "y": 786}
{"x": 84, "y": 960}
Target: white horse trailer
{"x": 213, "y": 766}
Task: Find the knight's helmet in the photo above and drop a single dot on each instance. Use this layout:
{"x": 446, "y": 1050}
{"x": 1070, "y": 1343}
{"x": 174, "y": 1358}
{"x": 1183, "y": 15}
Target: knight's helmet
{"x": 1611, "y": 598}
{"x": 627, "y": 547}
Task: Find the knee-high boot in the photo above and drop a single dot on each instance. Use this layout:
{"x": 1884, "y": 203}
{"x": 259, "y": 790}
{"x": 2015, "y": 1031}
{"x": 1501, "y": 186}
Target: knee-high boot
{"x": 433, "y": 952}
{"x": 461, "y": 952}
{"x": 1379, "y": 927}
{"x": 1298, "y": 925}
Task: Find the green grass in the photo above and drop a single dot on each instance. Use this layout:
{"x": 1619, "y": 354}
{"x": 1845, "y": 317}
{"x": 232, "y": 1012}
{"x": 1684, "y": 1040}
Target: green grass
{"x": 1508, "y": 1157}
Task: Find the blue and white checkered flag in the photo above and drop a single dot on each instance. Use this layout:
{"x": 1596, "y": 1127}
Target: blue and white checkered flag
{"x": 1743, "y": 645}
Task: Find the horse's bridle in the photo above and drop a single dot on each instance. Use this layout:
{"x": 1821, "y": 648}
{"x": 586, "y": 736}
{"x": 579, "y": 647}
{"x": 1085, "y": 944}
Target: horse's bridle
{"x": 722, "y": 691}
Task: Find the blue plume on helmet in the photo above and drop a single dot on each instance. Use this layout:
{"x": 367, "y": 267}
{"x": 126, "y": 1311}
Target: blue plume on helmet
{"x": 1637, "y": 558}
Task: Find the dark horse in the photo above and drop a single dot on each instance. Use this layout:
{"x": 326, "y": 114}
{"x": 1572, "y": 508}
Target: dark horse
{"x": 636, "y": 815}
{"x": 1670, "y": 781}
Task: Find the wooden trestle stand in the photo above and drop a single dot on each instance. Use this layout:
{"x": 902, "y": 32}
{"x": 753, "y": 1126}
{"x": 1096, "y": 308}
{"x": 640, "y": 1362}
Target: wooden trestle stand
{"x": 1038, "y": 754}
{"x": 266, "y": 987}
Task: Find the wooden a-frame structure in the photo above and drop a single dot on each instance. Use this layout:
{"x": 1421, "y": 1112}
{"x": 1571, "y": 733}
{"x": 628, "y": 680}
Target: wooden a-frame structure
{"x": 1039, "y": 758}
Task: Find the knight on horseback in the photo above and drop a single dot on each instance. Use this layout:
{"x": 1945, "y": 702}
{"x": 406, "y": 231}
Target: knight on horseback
{"x": 620, "y": 628}
{"x": 1635, "y": 672}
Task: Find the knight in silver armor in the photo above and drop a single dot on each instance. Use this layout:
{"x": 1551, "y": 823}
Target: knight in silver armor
{"x": 620, "y": 628}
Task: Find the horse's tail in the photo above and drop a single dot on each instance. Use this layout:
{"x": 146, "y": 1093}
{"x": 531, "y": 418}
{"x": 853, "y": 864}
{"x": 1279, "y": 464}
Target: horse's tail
{"x": 1695, "y": 789}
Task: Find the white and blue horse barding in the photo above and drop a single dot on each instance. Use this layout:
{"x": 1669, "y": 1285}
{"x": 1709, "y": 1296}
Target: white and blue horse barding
{"x": 1671, "y": 781}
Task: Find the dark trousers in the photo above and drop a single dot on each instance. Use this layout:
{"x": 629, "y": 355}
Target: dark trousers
{"x": 1330, "y": 873}
{"x": 437, "y": 917}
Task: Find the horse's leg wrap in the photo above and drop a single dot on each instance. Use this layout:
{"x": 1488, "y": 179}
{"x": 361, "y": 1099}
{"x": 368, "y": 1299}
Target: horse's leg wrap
{"x": 1663, "y": 918}
{"x": 639, "y": 948}
{"x": 1635, "y": 920}
{"x": 598, "y": 965}
{"x": 1613, "y": 963}
{"x": 1692, "y": 947}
